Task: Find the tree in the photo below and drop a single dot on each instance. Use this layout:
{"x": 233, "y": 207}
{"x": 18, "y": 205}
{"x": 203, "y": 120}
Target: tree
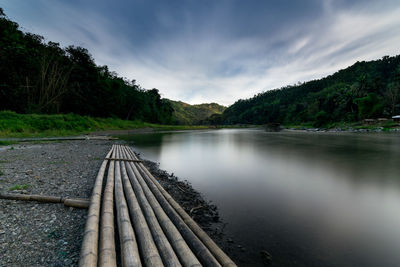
{"x": 52, "y": 83}
{"x": 392, "y": 94}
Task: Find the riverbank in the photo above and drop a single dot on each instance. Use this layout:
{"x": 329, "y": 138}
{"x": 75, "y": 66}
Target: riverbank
{"x": 14, "y": 125}
{"x": 50, "y": 234}
{"x": 41, "y": 125}
{"x": 353, "y": 127}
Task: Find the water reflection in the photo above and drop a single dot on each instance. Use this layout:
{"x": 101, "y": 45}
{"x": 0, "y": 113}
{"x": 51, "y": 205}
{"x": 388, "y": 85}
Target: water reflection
{"x": 310, "y": 199}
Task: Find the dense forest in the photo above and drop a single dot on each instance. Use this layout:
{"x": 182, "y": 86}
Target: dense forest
{"x": 187, "y": 114}
{"x": 40, "y": 77}
{"x": 364, "y": 90}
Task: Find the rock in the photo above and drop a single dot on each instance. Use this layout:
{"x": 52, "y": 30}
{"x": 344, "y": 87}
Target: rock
{"x": 266, "y": 257}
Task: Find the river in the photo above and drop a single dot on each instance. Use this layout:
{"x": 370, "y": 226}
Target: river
{"x": 309, "y": 199}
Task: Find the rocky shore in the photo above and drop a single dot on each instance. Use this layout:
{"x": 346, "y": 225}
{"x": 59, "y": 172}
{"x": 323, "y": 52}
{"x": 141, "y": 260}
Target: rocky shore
{"x": 39, "y": 234}
{"x": 347, "y": 130}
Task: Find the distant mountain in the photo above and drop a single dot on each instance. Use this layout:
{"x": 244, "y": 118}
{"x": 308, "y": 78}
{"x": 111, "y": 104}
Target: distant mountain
{"x": 187, "y": 114}
{"x": 364, "y": 90}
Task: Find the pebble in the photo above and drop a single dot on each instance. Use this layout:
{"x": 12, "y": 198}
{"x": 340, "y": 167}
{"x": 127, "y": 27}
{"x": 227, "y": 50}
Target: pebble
{"x": 33, "y": 234}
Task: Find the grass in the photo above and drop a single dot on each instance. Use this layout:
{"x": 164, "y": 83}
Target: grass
{"x": 19, "y": 187}
{"x": 7, "y": 143}
{"x": 42, "y": 125}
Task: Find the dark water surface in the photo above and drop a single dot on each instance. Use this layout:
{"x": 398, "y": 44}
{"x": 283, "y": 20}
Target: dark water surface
{"x": 309, "y": 199}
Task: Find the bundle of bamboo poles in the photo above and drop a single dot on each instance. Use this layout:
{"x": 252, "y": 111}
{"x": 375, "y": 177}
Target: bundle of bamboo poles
{"x": 129, "y": 206}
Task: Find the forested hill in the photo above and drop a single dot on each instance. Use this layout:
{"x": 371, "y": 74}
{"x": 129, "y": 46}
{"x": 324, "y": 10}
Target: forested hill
{"x": 40, "y": 77}
{"x": 363, "y": 90}
{"x": 194, "y": 114}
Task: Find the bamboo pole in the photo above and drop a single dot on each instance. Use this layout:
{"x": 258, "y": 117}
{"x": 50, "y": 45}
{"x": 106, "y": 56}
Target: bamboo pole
{"x": 68, "y": 202}
{"x": 91, "y": 235}
{"x": 164, "y": 247}
{"x": 181, "y": 248}
{"x": 148, "y": 249}
{"x": 107, "y": 232}
{"x": 76, "y": 203}
{"x": 198, "y": 248}
{"x": 38, "y": 198}
{"x": 214, "y": 248}
{"x": 129, "y": 249}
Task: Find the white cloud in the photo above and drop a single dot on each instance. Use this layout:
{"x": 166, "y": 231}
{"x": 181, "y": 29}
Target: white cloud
{"x": 204, "y": 63}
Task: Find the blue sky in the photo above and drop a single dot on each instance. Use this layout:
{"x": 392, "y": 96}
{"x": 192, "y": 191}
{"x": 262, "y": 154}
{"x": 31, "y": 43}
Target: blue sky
{"x": 219, "y": 51}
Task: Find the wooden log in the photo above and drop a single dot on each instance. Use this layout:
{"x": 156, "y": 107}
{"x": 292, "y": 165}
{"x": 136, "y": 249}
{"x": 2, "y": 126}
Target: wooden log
{"x": 68, "y": 202}
{"x": 181, "y": 248}
{"x": 147, "y": 247}
{"x": 164, "y": 247}
{"x": 107, "y": 255}
{"x": 76, "y": 203}
{"x": 214, "y": 248}
{"x": 38, "y": 198}
{"x": 129, "y": 250}
{"x": 89, "y": 247}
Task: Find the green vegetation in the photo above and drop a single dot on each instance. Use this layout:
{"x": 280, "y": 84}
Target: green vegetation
{"x": 34, "y": 125}
{"x": 7, "y": 143}
{"x": 19, "y": 187}
{"x": 43, "y": 125}
{"x": 383, "y": 125}
{"x": 365, "y": 90}
{"x": 186, "y": 114}
{"x": 43, "y": 78}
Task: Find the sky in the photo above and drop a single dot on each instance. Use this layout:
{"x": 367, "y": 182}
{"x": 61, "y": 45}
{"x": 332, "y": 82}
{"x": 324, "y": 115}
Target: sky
{"x": 201, "y": 51}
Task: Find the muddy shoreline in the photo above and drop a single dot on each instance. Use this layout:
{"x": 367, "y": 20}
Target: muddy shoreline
{"x": 38, "y": 234}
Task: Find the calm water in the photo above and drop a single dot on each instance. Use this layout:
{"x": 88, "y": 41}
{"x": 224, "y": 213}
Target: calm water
{"x": 310, "y": 199}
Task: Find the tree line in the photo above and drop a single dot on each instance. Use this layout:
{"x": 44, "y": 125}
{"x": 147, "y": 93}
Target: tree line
{"x": 40, "y": 77}
{"x": 362, "y": 91}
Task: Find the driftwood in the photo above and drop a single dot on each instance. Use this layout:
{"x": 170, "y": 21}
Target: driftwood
{"x": 77, "y": 203}
{"x": 68, "y": 202}
{"x": 223, "y": 259}
{"x": 180, "y": 188}
{"x": 195, "y": 208}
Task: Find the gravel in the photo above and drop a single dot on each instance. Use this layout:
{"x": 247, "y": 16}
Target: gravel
{"x": 39, "y": 234}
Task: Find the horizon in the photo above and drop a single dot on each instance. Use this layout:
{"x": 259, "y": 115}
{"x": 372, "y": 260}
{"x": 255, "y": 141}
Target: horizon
{"x": 240, "y": 50}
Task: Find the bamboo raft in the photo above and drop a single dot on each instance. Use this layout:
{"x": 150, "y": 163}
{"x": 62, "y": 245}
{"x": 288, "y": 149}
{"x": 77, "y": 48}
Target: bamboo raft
{"x": 133, "y": 219}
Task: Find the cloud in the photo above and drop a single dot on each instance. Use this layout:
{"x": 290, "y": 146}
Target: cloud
{"x": 218, "y": 51}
